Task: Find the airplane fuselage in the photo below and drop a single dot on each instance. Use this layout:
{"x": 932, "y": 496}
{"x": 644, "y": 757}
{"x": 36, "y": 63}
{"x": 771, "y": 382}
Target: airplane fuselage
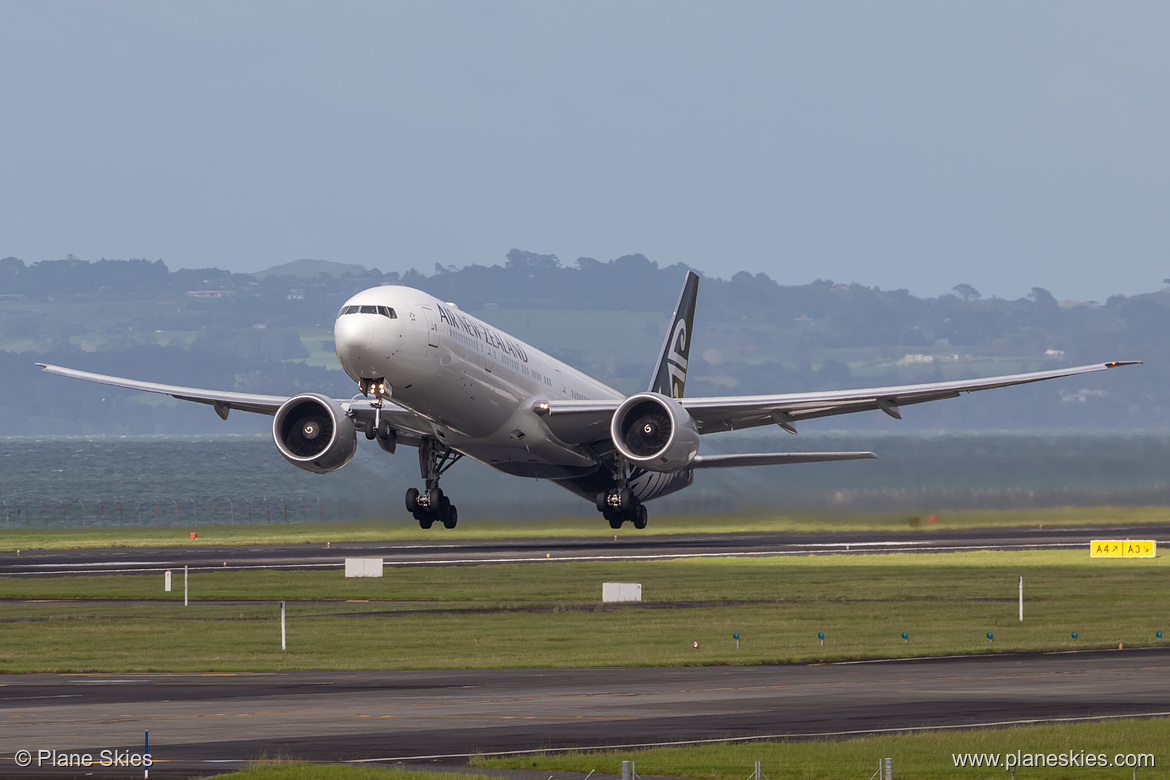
{"x": 475, "y": 383}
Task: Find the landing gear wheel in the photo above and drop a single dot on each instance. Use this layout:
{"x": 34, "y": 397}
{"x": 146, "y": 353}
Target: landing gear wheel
{"x": 425, "y": 519}
{"x": 640, "y": 517}
{"x": 370, "y": 432}
{"x": 434, "y": 458}
{"x": 412, "y": 501}
{"x": 615, "y": 519}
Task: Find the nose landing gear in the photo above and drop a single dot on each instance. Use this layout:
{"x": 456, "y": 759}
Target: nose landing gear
{"x": 434, "y": 458}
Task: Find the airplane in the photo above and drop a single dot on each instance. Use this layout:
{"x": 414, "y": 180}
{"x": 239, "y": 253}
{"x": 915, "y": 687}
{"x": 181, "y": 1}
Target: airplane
{"x": 433, "y": 377}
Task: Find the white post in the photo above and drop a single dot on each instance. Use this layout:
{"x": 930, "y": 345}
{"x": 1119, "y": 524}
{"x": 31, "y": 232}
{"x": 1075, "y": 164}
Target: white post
{"x": 184, "y": 584}
{"x": 1021, "y": 599}
{"x": 282, "y": 643}
{"x": 167, "y": 581}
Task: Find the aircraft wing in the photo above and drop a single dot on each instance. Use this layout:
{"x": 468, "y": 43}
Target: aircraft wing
{"x": 411, "y": 426}
{"x": 588, "y": 421}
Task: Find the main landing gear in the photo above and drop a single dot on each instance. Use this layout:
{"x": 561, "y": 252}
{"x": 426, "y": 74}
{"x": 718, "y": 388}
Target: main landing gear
{"x": 619, "y": 506}
{"x": 434, "y": 458}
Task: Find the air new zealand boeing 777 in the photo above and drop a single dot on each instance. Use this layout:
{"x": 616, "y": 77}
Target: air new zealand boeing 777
{"x": 438, "y": 379}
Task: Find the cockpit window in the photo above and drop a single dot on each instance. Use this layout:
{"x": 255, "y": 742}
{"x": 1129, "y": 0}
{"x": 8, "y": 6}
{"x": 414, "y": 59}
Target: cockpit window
{"x": 385, "y": 311}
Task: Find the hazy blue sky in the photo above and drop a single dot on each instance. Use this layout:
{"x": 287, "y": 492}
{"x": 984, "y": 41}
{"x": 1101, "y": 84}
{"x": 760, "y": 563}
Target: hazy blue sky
{"x": 913, "y": 145}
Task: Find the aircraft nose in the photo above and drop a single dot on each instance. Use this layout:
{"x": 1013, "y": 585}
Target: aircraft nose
{"x": 352, "y": 335}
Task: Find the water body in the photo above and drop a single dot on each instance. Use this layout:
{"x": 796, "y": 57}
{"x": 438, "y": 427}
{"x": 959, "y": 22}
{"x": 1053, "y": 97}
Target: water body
{"x": 185, "y": 480}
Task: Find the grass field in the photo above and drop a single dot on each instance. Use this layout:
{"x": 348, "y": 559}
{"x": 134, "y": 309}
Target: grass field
{"x": 317, "y": 772}
{"x": 549, "y": 614}
{"x": 1117, "y": 748}
{"x": 12, "y": 539}
{"x": 916, "y": 755}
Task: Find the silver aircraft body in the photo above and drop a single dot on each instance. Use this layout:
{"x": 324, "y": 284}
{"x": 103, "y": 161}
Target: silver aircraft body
{"x": 433, "y": 377}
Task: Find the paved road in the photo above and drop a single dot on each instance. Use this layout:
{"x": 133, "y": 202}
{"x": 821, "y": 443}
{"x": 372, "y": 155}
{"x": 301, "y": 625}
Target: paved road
{"x": 452, "y": 551}
{"x": 214, "y": 722}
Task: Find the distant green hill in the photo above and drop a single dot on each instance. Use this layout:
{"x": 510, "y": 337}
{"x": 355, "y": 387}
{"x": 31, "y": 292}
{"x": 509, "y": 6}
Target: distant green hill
{"x": 310, "y": 268}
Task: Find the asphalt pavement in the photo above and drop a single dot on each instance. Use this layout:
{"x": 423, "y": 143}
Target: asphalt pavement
{"x": 214, "y": 722}
{"x": 449, "y": 550}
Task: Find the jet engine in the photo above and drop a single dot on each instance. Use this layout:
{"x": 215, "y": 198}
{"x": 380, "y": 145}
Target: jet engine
{"x": 314, "y": 433}
{"x": 655, "y": 432}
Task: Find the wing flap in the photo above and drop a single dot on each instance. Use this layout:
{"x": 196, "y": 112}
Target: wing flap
{"x": 773, "y": 459}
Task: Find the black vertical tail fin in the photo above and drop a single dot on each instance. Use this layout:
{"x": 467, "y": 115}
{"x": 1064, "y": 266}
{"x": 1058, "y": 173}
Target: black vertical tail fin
{"x": 670, "y": 375}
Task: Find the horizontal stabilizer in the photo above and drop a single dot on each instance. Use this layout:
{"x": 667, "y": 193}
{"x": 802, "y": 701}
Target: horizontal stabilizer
{"x": 773, "y": 459}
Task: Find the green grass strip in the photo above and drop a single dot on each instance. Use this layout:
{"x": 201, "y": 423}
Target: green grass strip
{"x": 915, "y": 755}
{"x": 299, "y": 771}
{"x": 550, "y": 614}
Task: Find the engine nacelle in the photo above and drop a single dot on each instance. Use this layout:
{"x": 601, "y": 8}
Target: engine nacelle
{"x": 314, "y": 433}
{"x": 655, "y": 432}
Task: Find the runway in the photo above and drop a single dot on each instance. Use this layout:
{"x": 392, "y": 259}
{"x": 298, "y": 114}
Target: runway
{"x": 202, "y": 724}
{"x": 451, "y": 550}
{"x": 206, "y": 723}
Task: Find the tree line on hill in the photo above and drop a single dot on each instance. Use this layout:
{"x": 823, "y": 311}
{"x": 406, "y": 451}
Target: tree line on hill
{"x": 248, "y": 328}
